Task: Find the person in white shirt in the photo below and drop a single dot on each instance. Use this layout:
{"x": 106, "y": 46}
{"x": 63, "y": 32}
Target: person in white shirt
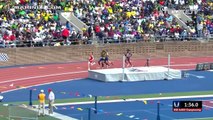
{"x": 1, "y": 97}
{"x": 116, "y": 37}
{"x": 51, "y": 99}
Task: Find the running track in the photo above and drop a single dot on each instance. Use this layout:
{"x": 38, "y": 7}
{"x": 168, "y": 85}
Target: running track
{"x": 25, "y": 76}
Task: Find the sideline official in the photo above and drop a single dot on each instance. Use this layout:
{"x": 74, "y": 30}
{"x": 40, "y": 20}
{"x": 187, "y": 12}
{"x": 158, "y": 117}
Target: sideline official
{"x": 41, "y": 107}
{"x": 51, "y": 99}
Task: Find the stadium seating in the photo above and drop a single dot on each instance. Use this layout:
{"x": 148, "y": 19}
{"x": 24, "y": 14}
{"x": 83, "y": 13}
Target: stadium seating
{"x": 108, "y": 21}
{"x": 130, "y": 19}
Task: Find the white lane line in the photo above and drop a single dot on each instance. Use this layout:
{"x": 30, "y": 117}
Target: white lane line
{"x": 60, "y": 67}
{"x": 197, "y": 76}
{"x": 208, "y": 106}
{"x": 41, "y": 84}
{"x": 42, "y": 76}
{"x": 41, "y": 67}
{"x": 136, "y": 99}
{"x": 22, "y": 67}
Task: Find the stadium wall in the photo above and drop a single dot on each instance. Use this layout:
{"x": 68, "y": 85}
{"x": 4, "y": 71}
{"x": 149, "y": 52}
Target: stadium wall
{"x": 76, "y": 53}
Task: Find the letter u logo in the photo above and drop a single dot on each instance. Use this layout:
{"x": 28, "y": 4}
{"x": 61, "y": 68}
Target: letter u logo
{"x": 176, "y": 104}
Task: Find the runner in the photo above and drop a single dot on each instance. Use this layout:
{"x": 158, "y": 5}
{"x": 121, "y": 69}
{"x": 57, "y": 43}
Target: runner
{"x": 128, "y": 56}
{"x": 103, "y": 59}
{"x": 91, "y": 59}
{"x": 107, "y": 59}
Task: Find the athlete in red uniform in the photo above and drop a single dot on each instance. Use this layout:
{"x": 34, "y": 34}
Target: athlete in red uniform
{"x": 91, "y": 59}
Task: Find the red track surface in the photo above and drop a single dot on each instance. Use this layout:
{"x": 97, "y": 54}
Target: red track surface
{"x": 11, "y": 78}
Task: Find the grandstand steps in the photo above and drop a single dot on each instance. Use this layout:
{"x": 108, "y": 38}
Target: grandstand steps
{"x": 73, "y": 20}
{"x": 181, "y": 17}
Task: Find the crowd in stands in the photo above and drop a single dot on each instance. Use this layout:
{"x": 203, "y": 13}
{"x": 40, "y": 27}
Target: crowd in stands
{"x": 21, "y": 22}
{"x": 127, "y": 19}
{"x": 112, "y": 19}
{"x": 202, "y": 16}
{"x": 142, "y": 19}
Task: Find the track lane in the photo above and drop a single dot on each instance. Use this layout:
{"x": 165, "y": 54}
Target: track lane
{"x": 33, "y": 75}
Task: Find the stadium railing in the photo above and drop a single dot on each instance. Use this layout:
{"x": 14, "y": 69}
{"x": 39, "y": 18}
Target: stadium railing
{"x": 104, "y": 40}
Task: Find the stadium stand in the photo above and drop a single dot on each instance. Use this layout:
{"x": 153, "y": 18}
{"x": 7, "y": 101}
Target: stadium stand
{"x": 107, "y": 21}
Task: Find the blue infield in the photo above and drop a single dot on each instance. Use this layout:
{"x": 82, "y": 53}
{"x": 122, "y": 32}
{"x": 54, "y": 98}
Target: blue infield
{"x": 197, "y": 81}
{"x": 133, "y": 110}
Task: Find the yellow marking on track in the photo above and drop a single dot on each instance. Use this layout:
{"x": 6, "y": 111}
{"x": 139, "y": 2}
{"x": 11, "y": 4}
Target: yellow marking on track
{"x": 22, "y": 87}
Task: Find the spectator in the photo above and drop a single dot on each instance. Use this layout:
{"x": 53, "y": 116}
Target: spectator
{"x": 184, "y": 35}
{"x": 65, "y": 35}
{"x": 200, "y": 29}
{"x": 51, "y": 98}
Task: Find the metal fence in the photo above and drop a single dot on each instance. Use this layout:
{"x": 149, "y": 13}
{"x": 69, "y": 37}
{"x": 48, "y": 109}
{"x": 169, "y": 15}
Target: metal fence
{"x": 103, "y": 40}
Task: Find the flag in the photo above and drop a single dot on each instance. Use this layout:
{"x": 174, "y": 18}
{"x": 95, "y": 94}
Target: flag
{"x": 145, "y": 102}
{"x": 3, "y": 57}
{"x": 80, "y": 109}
